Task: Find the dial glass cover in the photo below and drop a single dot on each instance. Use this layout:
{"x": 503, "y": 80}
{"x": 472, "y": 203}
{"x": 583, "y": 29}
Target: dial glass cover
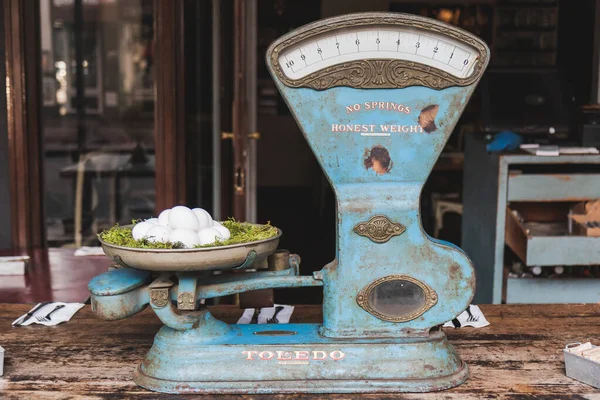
{"x": 430, "y": 48}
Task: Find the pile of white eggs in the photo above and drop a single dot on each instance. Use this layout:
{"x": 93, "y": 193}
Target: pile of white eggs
{"x": 191, "y": 227}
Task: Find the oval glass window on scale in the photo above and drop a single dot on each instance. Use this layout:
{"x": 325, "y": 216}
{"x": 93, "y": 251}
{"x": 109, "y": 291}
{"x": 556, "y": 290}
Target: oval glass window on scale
{"x": 397, "y": 298}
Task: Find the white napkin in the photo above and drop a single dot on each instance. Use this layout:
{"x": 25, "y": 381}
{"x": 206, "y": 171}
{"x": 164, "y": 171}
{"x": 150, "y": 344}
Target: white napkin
{"x": 283, "y": 316}
{"x": 89, "y": 251}
{"x": 470, "y": 317}
{"x": 61, "y": 315}
{"x": 14, "y": 265}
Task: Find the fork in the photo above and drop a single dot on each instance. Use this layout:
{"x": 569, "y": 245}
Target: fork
{"x": 21, "y": 320}
{"x": 471, "y": 318}
{"x": 273, "y": 319}
{"x": 47, "y": 318}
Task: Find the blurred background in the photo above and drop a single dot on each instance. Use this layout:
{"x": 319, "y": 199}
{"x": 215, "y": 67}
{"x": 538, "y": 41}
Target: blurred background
{"x": 131, "y": 111}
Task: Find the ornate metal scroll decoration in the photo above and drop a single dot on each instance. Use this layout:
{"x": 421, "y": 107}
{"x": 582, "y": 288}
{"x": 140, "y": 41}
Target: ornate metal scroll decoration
{"x": 159, "y": 297}
{"x": 431, "y": 298}
{"x": 379, "y": 229}
{"x": 186, "y": 301}
{"x": 375, "y": 73}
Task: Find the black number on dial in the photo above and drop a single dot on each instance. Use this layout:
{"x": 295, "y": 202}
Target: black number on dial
{"x": 319, "y": 51}
{"x": 377, "y": 41}
{"x": 337, "y": 45}
{"x": 357, "y": 42}
{"x": 303, "y": 57}
{"x": 398, "y": 42}
{"x": 465, "y": 62}
{"x": 435, "y": 49}
{"x": 417, "y": 45}
{"x": 289, "y": 64}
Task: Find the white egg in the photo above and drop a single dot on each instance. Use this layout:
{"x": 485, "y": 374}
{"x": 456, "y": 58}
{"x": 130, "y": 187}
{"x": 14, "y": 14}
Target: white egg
{"x": 204, "y": 218}
{"x": 225, "y": 234}
{"x": 182, "y": 217}
{"x": 153, "y": 221}
{"x": 188, "y": 237}
{"x": 158, "y": 233}
{"x": 140, "y": 229}
{"x": 208, "y": 236}
{"x": 163, "y": 217}
{"x": 217, "y": 223}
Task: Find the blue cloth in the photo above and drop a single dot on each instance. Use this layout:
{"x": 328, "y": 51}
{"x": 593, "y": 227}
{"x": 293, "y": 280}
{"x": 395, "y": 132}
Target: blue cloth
{"x": 503, "y": 141}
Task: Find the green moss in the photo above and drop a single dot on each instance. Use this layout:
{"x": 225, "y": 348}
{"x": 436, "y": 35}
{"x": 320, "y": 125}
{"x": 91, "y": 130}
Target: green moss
{"x": 241, "y": 232}
{"x": 121, "y": 236}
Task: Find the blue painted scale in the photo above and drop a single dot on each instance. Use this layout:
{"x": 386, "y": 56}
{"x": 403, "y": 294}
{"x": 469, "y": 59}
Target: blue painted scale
{"x": 377, "y": 121}
{"x": 361, "y": 194}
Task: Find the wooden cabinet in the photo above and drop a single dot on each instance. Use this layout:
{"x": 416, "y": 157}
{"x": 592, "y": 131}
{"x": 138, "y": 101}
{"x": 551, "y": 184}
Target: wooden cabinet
{"x": 496, "y": 185}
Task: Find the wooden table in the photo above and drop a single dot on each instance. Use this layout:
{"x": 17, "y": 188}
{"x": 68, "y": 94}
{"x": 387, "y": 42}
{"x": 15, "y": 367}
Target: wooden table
{"x": 518, "y": 356}
{"x": 52, "y": 275}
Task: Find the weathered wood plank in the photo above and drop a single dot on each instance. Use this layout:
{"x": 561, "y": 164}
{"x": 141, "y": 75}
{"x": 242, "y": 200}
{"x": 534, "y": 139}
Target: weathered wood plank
{"x": 518, "y": 356}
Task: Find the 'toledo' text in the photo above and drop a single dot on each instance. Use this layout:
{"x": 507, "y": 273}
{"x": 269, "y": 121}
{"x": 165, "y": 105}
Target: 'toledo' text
{"x": 294, "y": 357}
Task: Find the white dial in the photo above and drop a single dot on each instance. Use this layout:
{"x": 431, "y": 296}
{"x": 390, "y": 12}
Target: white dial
{"x": 386, "y": 42}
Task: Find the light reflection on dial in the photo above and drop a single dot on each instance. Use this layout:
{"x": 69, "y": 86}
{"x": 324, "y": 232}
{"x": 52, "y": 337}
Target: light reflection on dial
{"x": 385, "y": 42}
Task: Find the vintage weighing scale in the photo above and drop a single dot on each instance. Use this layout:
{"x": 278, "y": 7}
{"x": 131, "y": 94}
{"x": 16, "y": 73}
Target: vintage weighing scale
{"x": 376, "y": 95}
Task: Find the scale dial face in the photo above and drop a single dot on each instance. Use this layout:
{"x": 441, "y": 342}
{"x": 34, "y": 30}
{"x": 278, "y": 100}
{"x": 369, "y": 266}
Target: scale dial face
{"x": 379, "y": 42}
{"x": 402, "y": 49}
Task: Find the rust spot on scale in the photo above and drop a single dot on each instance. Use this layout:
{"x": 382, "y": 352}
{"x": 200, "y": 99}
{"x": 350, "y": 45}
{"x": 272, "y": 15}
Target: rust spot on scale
{"x": 427, "y": 118}
{"x": 455, "y": 272}
{"x": 378, "y": 159}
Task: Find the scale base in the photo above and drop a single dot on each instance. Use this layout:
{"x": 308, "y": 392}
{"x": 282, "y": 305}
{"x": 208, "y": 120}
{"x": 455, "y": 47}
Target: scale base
{"x": 258, "y": 359}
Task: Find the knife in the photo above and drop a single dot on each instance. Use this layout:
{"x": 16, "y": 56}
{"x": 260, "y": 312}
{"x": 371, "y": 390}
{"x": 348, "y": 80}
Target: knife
{"x": 24, "y": 318}
{"x": 255, "y": 316}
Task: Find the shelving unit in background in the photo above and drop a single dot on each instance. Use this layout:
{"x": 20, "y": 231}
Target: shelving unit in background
{"x": 496, "y": 184}
{"x": 525, "y": 34}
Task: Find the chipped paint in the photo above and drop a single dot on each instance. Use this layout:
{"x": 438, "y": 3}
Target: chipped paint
{"x": 427, "y": 118}
{"x": 378, "y": 159}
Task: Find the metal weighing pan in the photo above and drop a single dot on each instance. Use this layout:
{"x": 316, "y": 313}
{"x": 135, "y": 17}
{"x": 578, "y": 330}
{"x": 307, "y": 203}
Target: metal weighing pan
{"x": 202, "y": 259}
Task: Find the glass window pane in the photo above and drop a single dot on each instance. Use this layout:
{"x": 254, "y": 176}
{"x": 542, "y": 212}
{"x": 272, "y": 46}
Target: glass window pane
{"x": 199, "y": 17}
{"x": 397, "y": 298}
{"x": 98, "y": 134}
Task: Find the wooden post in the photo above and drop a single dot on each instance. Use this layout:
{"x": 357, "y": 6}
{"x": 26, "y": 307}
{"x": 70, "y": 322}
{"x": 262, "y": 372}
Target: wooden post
{"x": 23, "y": 94}
{"x": 240, "y": 112}
{"x": 169, "y": 110}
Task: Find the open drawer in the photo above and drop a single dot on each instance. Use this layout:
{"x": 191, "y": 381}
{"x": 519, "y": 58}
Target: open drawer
{"x": 542, "y": 238}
